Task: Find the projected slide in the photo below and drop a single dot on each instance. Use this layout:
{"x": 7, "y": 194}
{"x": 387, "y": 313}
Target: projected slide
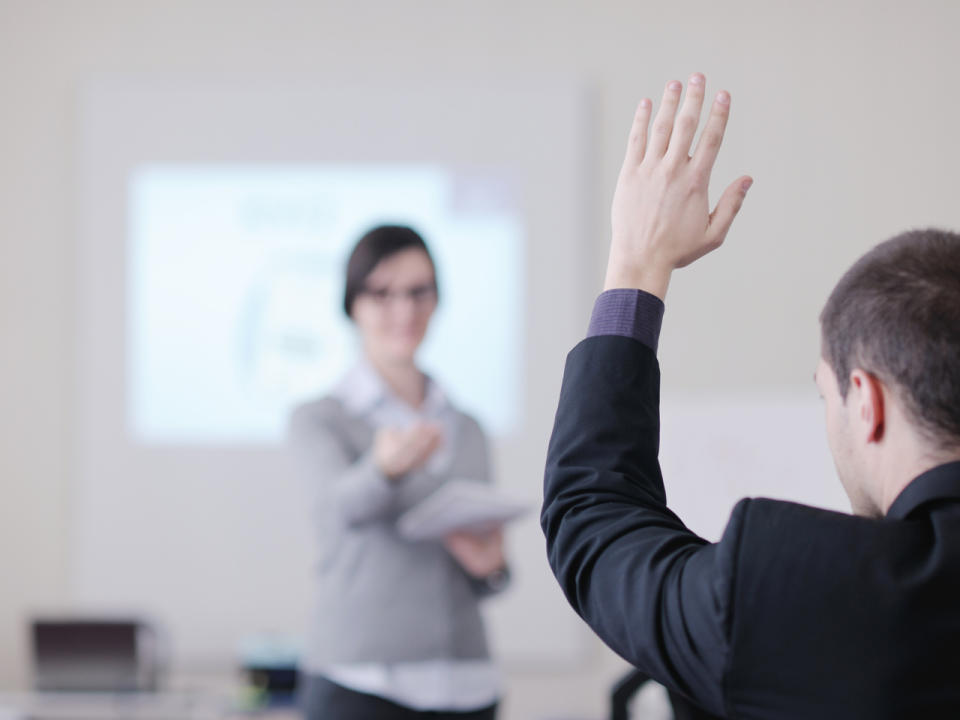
{"x": 235, "y": 281}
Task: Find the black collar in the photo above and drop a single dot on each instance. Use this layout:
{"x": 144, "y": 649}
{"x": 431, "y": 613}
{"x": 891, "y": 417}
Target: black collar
{"x": 940, "y": 483}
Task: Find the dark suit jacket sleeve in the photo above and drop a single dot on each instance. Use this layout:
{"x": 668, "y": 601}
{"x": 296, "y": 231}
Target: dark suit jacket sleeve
{"x": 655, "y": 592}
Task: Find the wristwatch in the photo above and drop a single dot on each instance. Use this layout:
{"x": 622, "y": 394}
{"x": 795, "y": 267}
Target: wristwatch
{"x": 498, "y": 579}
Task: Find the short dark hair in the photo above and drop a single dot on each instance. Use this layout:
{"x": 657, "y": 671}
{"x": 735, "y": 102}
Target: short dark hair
{"x": 376, "y": 245}
{"x": 896, "y": 314}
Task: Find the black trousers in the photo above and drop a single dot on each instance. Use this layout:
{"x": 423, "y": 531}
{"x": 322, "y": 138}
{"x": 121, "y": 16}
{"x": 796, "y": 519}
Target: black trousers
{"x": 321, "y": 699}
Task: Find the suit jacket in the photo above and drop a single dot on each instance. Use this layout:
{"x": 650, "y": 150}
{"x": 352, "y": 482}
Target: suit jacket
{"x": 796, "y": 613}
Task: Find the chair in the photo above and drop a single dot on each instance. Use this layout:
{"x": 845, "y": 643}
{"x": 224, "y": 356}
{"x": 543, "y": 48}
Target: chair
{"x": 628, "y": 685}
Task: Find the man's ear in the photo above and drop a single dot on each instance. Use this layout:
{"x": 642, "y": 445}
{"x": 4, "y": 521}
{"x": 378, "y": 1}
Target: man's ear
{"x": 867, "y": 411}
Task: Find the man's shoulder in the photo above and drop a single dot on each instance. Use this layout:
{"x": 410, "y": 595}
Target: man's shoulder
{"x": 770, "y": 528}
{"x": 774, "y": 515}
{"x": 780, "y": 551}
{"x": 821, "y": 604}
{"x": 789, "y": 560}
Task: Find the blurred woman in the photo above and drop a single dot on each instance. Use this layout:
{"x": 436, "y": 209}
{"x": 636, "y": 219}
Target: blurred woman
{"x": 396, "y": 630}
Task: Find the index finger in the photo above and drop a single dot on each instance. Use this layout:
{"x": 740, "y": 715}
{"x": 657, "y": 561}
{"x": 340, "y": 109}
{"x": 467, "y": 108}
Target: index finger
{"x": 712, "y": 136}
{"x": 637, "y": 142}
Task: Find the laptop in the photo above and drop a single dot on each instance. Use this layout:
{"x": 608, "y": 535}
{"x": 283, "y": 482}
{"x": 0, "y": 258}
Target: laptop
{"x": 93, "y": 655}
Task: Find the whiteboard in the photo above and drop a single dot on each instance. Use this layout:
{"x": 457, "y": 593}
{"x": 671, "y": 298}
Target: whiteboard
{"x": 245, "y": 267}
{"x": 716, "y": 448}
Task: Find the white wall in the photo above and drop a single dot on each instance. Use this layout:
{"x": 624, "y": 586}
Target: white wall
{"x": 843, "y": 112}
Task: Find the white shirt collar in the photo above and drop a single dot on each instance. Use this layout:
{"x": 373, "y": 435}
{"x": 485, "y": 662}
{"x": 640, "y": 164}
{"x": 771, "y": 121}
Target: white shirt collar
{"x": 362, "y": 391}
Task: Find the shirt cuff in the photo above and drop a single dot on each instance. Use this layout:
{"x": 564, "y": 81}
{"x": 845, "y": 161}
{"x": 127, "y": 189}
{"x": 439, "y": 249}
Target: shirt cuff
{"x": 631, "y": 313}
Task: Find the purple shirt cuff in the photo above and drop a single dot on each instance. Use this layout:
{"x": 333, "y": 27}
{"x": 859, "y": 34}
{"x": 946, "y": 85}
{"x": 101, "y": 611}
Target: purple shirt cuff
{"x": 630, "y": 313}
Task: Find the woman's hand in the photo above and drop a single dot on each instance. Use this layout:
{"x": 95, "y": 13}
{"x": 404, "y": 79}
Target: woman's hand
{"x": 397, "y": 451}
{"x": 480, "y": 554}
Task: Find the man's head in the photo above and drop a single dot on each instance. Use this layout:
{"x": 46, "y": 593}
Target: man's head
{"x": 891, "y": 360}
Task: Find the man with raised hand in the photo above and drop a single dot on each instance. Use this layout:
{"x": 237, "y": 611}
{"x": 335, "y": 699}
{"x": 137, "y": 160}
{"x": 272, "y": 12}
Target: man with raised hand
{"x": 797, "y": 612}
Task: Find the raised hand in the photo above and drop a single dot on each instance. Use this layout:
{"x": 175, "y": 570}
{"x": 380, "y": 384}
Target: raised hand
{"x": 397, "y": 451}
{"x": 661, "y": 215}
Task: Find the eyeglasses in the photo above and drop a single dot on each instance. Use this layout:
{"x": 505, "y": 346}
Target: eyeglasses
{"x": 419, "y": 295}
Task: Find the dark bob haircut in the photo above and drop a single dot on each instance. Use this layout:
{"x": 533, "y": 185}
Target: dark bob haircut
{"x": 896, "y": 315}
{"x": 378, "y": 244}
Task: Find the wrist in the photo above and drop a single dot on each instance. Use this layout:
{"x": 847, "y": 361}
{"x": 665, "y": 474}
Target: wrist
{"x": 390, "y": 473}
{"x": 638, "y": 276}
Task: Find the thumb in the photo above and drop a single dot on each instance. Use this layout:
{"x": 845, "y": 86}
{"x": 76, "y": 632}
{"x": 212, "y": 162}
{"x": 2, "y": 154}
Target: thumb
{"x": 727, "y": 208}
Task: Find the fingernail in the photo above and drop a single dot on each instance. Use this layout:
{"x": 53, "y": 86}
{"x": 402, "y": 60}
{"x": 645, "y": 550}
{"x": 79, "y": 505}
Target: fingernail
{"x": 645, "y": 103}
{"x": 723, "y": 97}
{"x": 674, "y": 85}
{"x": 745, "y": 185}
{"x": 696, "y": 79}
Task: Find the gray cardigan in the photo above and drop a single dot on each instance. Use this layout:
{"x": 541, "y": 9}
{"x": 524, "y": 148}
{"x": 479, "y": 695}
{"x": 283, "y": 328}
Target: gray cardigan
{"x": 382, "y": 598}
